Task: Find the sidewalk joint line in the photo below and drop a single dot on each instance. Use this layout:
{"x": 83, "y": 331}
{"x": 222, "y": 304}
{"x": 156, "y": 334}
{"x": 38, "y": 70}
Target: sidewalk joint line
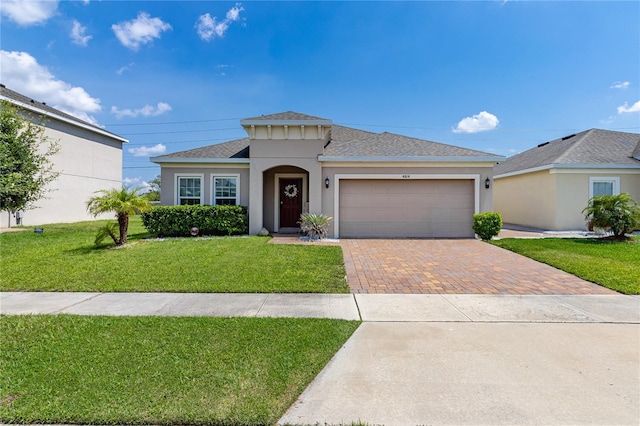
{"x": 456, "y": 308}
{"x": 357, "y": 307}
{"x": 77, "y": 303}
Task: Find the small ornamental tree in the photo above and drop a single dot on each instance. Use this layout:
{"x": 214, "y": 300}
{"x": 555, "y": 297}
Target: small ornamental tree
{"x": 618, "y": 214}
{"x": 123, "y": 202}
{"x": 25, "y": 165}
{"x": 487, "y": 225}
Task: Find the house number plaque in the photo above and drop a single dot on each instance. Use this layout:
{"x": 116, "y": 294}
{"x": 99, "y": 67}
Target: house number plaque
{"x": 406, "y": 176}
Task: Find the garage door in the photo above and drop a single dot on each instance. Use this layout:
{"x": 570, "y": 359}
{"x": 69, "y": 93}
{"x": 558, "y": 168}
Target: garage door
{"x": 372, "y": 208}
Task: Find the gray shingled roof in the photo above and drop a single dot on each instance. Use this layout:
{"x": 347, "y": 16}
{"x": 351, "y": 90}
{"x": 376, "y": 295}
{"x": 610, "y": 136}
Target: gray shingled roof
{"x": 591, "y": 147}
{"x": 15, "y": 96}
{"x": 287, "y": 115}
{"x": 344, "y": 142}
{"x": 348, "y": 142}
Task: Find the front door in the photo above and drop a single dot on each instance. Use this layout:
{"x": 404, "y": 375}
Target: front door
{"x": 290, "y": 202}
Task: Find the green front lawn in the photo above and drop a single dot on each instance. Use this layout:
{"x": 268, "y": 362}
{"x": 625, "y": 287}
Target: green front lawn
{"x": 151, "y": 370}
{"x": 615, "y": 265}
{"x": 63, "y": 258}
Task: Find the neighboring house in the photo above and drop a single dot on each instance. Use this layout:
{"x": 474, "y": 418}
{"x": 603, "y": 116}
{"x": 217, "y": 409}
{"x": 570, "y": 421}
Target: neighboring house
{"x": 548, "y": 186}
{"x": 371, "y": 184}
{"x": 90, "y": 159}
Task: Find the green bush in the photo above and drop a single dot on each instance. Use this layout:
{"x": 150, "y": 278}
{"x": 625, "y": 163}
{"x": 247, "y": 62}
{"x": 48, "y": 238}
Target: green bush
{"x": 487, "y": 225}
{"x": 177, "y": 221}
{"x": 618, "y": 214}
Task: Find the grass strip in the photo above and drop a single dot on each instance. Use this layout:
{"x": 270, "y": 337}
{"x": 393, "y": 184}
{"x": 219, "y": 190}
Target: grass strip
{"x": 615, "y": 265}
{"x": 64, "y": 258}
{"x": 152, "y": 370}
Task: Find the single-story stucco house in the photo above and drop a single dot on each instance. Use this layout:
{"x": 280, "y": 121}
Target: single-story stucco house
{"x": 90, "y": 159}
{"x": 548, "y": 186}
{"x": 371, "y": 184}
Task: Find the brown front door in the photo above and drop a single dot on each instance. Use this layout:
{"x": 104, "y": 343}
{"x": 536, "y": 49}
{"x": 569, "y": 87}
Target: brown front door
{"x": 290, "y": 202}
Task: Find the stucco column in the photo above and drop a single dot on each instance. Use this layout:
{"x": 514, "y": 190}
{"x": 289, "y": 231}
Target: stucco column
{"x": 255, "y": 200}
{"x": 316, "y": 185}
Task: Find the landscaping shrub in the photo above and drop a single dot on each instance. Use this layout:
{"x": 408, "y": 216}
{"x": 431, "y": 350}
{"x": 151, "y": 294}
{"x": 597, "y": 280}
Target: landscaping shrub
{"x": 314, "y": 225}
{"x": 618, "y": 214}
{"x": 487, "y": 225}
{"x": 177, "y": 221}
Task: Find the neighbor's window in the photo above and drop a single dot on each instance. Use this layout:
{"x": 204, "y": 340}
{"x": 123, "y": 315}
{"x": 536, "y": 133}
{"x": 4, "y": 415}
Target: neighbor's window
{"x": 189, "y": 190}
{"x": 225, "y": 190}
{"x": 604, "y": 186}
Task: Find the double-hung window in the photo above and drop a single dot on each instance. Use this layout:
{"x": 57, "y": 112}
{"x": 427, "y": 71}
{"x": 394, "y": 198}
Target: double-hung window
{"x": 226, "y": 190}
{"x": 603, "y": 186}
{"x": 189, "y": 190}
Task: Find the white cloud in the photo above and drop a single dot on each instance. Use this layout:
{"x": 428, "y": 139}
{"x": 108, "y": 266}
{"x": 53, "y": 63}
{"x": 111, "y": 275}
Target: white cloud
{"x": 137, "y": 182}
{"x": 142, "y": 30}
{"x": 78, "y": 34}
{"x": 124, "y": 68}
{"x": 478, "y": 123}
{"x": 28, "y": 12}
{"x": 208, "y": 27}
{"x": 21, "y": 72}
{"x": 145, "y": 111}
{"x": 144, "y": 151}
{"x": 620, "y": 85}
{"x": 626, "y": 108}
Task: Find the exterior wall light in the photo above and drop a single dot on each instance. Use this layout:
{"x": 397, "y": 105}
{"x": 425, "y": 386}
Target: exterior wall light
{"x": 326, "y": 183}
{"x": 487, "y": 183}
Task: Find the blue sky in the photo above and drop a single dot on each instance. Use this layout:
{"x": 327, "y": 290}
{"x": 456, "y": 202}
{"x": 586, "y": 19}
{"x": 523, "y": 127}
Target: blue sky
{"x": 496, "y": 76}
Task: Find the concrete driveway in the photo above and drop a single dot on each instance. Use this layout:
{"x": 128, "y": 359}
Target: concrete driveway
{"x": 405, "y": 266}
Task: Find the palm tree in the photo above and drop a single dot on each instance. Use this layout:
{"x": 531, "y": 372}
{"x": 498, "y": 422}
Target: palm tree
{"x": 618, "y": 213}
{"x": 122, "y": 202}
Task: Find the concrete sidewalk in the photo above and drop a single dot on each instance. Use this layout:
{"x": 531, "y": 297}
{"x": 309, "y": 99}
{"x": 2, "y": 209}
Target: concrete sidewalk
{"x": 366, "y": 307}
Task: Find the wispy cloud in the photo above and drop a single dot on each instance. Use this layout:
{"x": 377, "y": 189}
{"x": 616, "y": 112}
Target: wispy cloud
{"x": 21, "y": 72}
{"x": 620, "y": 85}
{"x": 28, "y": 13}
{"x": 141, "y": 30}
{"x": 145, "y": 111}
{"x": 209, "y": 27}
{"x": 78, "y": 35}
{"x": 626, "y": 108}
{"x": 145, "y": 151}
{"x": 481, "y": 122}
{"x": 124, "y": 68}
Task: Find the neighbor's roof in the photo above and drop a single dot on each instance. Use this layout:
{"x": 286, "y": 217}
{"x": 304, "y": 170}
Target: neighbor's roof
{"x": 593, "y": 148}
{"x": 345, "y": 144}
{"x": 42, "y": 108}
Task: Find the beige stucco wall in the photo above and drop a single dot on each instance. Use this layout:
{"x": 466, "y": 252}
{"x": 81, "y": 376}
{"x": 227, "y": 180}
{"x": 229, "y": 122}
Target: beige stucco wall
{"x": 87, "y": 162}
{"x": 170, "y": 172}
{"x": 554, "y": 199}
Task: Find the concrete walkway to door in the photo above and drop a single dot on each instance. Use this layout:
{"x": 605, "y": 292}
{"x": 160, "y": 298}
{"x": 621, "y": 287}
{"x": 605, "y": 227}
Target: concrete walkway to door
{"x": 405, "y": 266}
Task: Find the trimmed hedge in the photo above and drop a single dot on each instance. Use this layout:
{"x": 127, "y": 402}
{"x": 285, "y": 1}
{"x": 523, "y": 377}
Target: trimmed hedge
{"x": 177, "y": 221}
{"x": 487, "y": 225}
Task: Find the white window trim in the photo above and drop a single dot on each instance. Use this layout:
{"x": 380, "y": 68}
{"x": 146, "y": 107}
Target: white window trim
{"x": 225, "y": 175}
{"x": 613, "y": 179}
{"x": 276, "y": 206}
{"x": 409, "y": 176}
{"x": 176, "y": 192}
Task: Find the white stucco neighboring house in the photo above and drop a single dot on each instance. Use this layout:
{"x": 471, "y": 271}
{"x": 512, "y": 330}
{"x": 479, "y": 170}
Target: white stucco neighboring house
{"x": 548, "y": 186}
{"x": 90, "y": 159}
{"x": 371, "y": 184}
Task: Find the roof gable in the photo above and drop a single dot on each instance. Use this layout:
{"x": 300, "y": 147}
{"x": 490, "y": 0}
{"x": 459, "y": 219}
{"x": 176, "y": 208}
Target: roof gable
{"x": 595, "y": 147}
{"x": 285, "y": 116}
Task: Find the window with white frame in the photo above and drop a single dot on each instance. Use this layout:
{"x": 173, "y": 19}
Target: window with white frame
{"x": 189, "y": 190}
{"x": 603, "y": 186}
{"x": 226, "y": 190}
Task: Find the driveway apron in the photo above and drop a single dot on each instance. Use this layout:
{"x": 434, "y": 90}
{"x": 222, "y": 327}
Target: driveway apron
{"x": 406, "y": 266}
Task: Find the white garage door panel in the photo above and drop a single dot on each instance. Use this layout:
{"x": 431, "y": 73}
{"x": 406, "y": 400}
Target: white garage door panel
{"x": 406, "y": 208}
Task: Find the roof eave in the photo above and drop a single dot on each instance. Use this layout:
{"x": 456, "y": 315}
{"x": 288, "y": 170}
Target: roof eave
{"x": 405, "y": 159}
{"x": 166, "y": 159}
{"x": 42, "y": 112}
{"x": 568, "y": 166}
{"x": 250, "y": 122}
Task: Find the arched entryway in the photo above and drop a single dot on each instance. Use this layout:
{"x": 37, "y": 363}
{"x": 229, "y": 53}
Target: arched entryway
{"x": 286, "y": 195}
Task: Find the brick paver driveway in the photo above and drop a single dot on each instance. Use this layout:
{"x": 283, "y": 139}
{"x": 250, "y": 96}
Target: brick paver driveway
{"x": 452, "y": 267}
